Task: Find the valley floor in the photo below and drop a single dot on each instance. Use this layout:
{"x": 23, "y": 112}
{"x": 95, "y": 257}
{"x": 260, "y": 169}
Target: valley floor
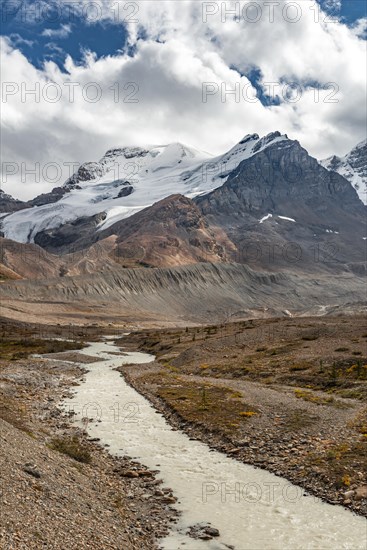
{"x": 287, "y": 395}
{"x": 59, "y": 489}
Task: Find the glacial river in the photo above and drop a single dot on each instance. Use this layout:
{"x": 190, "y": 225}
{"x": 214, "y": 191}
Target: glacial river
{"x": 252, "y": 508}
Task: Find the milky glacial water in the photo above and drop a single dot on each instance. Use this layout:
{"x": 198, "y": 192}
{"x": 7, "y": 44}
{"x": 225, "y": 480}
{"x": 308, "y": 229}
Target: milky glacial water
{"x": 252, "y": 508}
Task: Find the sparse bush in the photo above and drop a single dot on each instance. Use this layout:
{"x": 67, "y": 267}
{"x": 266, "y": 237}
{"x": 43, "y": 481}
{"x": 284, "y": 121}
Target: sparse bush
{"x": 295, "y": 368}
{"x": 72, "y": 447}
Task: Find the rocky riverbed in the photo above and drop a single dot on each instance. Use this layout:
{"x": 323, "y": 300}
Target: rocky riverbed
{"x": 50, "y": 499}
{"x": 287, "y": 395}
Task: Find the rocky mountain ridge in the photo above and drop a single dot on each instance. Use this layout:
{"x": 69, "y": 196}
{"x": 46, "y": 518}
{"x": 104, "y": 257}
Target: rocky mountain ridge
{"x": 266, "y": 203}
{"x": 353, "y": 167}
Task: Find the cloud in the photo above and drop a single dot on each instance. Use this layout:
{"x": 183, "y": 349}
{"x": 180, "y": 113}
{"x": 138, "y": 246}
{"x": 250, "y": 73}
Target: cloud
{"x": 359, "y": 28}
{"x": 18, "y": 40}
{"x": 62, "y": 32}
{"x": 155, "y": 95}
{"x": 54, "y": 47}
{"x": 332, "y": 5}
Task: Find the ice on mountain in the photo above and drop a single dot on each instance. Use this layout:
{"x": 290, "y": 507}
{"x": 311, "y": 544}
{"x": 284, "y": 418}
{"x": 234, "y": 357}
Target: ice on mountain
{"x": 153, "y": 173}
{"x": 267, "y": 217}
{"x": 287, "y": 219}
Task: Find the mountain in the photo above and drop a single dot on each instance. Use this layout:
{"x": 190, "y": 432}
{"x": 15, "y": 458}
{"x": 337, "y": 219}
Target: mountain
{"x": 166, "y": 245}
{"x": 353, "y": 167}
{"x": 9, "y": 204}
{"x": 278, "y": 210}
{"x": 200, "y": 293}
{"x": 282, "y": 209}
{"x": 171, "y": 232}
{"x": 127, "y": 180}
{"x": 265, "y": 203}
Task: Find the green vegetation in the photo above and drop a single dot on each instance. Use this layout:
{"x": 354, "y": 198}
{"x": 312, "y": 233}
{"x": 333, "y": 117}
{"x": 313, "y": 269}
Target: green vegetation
{"x": 313, "y": 398}
{"x": 13, "y": 412}
{"x": 73, "y": 447}
{"x": 14, "y": 349}
{"x": 205, "y": 404}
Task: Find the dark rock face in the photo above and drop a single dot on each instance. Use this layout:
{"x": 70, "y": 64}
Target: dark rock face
{"x": 128, "y": 152}
{"x": 64, "y": 239}
{"x": 86, "y": 172}
{"x": 284, "y": 181}
{"x": 358, "y": 159}
{"x": 281, "y": 177}
{"x": 9, "y": 204}
{"x": 125, "y": 191}
{"x": 49, "y": 198}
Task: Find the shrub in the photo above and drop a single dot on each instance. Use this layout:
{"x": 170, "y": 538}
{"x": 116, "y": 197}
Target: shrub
{"x": 72, "y": 447}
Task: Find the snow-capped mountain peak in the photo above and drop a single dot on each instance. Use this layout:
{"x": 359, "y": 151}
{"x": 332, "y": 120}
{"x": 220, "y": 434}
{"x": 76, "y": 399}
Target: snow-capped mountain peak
{"x": 353, "y": 167}
{"x": 127, "y": 179}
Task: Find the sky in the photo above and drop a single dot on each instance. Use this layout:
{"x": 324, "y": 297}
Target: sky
{"x": 81, "y": 77}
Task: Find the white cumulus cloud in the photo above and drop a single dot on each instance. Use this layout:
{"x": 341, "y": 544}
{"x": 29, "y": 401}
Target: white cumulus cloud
{"x": 155, "y": 94}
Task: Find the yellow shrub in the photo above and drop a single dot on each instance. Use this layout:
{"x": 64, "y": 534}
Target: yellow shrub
{"x": 346, "y": 480}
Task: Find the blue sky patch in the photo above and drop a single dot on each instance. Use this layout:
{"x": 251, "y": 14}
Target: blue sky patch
{"x": 50, "y": 31}
{"x": 59, "y": 32}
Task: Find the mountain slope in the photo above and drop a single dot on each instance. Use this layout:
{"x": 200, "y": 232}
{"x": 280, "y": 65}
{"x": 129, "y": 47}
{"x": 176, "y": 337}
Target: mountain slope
{"x": 171, "y": 232}
{"x": 9, "y": 204}
{"x": 196, "y": 293}
{"x": 353, "y": 167}
{"x": 127, "y": 180}
{"x": 29, "y": 261}
{"x": 280, "y": 208}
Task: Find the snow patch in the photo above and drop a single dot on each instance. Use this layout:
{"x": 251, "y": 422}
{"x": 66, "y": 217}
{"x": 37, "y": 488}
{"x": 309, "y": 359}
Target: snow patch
{"x": 352, "y": 167}
{"x": 267, "y": 217}
{"x": 287, "y": 219}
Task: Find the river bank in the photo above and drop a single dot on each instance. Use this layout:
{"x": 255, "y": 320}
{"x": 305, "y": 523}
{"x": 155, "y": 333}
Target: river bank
{"x": 59, "y": 489}
{"x": 209, "y": 488}
{"x": 108, "y": 499}
{"x": 285, "y": 395}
